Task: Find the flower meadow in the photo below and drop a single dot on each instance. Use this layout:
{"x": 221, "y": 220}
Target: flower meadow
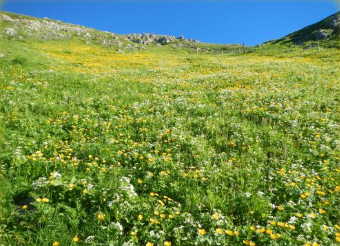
{"x": 168, "y": 147}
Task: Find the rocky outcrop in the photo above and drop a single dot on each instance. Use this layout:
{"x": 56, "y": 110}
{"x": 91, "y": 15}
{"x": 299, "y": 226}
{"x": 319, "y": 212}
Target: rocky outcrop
{"x": 46, "y": 29}
{"x": 6, "y": 18}
{"x": 323, "y": 33}
{"x": 10, "y": 31}
{"x": 147, "y": 38}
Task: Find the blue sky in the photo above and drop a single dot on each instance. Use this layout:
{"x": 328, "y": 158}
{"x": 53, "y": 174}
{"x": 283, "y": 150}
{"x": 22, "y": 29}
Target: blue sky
{"x": 249, "y": 22}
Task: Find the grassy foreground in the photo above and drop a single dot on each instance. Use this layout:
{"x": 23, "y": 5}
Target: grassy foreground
{"x": 164, "y": 147}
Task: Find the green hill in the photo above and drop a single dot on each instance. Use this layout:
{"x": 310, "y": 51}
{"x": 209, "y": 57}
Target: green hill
{"x": 325, "y": 32}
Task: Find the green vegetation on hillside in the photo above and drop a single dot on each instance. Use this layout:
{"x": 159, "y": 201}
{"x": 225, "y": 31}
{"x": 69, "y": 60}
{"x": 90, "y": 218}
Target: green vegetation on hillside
{"x": 324, "y": 33}
{"x": 167, "y": 146}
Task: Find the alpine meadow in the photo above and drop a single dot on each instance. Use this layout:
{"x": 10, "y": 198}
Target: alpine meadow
{"x": 152, "y": 140}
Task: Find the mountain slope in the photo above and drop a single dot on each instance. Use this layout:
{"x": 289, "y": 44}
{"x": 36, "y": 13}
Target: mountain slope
{"x": 325, "y": 31}
{"x": 162, "y": 146}
{"x": 16, "y": 26}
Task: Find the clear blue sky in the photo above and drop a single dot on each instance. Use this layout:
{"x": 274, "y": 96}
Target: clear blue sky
{"x": 249, "y": 22}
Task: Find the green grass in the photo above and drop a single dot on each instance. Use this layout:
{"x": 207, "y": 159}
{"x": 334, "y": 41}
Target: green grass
{"x": 154, "y": 146}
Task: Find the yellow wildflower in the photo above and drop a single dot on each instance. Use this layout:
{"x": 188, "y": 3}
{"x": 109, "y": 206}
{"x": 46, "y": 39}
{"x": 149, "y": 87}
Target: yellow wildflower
{"x": 216, "y": 215}
{"x": 202, "y": 231}
{"x": 75, "y": 239}
{"x": 100, "y": 216}
{"x": 219, "y": 231}
{"x": 45, "y": 200}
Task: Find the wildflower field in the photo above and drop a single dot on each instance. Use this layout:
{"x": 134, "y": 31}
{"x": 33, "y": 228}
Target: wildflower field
{"x": 168, "y": 147}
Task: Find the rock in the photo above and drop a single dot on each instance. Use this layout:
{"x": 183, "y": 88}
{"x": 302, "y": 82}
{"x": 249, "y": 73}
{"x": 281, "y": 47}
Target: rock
{"x": 33, "y": 25}
{"x": 10, "y": 31}
{"x": 119, "y": 44}
{"x": 147, "y": 38}
{"x": 334, "y": 23}
{"x": 87, "y": 35}
{"x": 323, "y": 33}
{"x": 6, "y": 18}
{"x": 148, "y": 41}
{"x": 163, "y": 40}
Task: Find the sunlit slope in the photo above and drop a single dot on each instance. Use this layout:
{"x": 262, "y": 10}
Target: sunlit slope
{"x": 325, "y": 33}
{"x": 167, "y": 146}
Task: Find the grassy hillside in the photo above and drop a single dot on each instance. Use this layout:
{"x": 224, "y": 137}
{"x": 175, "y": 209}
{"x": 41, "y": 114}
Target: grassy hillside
{"x": 166, "y": 146}
{"x": 325, "y": 33}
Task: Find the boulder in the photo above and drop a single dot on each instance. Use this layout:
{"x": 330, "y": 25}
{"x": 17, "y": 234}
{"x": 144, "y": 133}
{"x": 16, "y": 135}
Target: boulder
{"x": 6, "y": 18}
{"x": 10, "y": 31}
{"x": 165, "y": 40}
{"x": 323, "y": 33}
{"x": 87, "y": 35}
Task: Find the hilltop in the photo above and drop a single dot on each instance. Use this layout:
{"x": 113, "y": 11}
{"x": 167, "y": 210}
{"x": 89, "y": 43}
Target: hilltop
{"x": 17, "y": 26}
{"x": 326, "y": 32}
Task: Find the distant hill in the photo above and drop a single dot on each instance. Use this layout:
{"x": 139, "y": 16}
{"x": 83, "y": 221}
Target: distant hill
{"x": 16, "y": 26}
{"x": 326, "y": 32}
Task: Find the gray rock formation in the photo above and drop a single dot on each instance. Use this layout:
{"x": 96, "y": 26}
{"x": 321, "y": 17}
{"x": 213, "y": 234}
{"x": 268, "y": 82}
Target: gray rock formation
{"x": 323, "y": 33}
{"x": 6, "y": 18}
{"x": 10, "y": 31}
{"x": 147, "y": 38}
{"x": 87, "y": 35}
